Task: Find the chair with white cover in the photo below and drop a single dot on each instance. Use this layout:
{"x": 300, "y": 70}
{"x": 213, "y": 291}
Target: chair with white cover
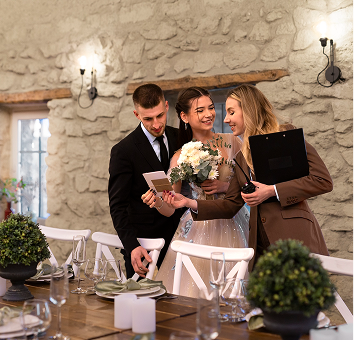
{"x": 63, "y": 235}
{"x": 186, "y": 249}
{"x": 337, "y": 265}
{"x": 152, "y": 245}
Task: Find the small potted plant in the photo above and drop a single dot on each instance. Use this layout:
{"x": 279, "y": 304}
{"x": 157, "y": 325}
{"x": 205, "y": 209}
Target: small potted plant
{"x": 22, "y": 246}
{"x": 291, "y": 287}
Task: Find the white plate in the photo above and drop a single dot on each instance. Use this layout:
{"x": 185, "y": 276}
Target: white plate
{"x": 14, "y": 325}
{"x": 159, "y": 292}
{"x": 46, "y": 278}
{"x": 145, "y": 291}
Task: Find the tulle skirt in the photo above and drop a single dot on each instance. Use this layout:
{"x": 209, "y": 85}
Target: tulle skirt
{"x": 230, "y": 233}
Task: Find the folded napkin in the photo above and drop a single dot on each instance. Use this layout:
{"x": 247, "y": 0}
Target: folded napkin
{"x": 107, "y": 287}
{"x": 46, "y": 269}
{"x": 255, "y": 319}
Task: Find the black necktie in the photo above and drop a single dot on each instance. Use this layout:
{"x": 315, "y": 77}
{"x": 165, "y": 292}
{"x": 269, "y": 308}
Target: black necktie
{"x": 163, "y": 154}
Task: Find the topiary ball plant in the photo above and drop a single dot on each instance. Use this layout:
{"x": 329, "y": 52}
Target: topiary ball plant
{"x": 21, "y": 241}
{"x": 287, "y": 278}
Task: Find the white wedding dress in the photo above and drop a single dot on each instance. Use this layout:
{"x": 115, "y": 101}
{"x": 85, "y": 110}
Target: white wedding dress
{"x": 230, "y": 233}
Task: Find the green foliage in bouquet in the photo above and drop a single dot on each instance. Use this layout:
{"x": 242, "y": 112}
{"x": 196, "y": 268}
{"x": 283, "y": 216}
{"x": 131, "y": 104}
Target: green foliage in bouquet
{"x": 21, "y": 241}
{"x": 9, "y": 189}
{"x": 199, "y": 162}
{"x": 287, "y": 278}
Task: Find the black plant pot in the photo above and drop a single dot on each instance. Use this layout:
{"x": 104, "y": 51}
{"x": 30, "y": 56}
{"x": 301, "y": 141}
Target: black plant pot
{"x": 289, "y": 325}
{"x": 17, "y": 274}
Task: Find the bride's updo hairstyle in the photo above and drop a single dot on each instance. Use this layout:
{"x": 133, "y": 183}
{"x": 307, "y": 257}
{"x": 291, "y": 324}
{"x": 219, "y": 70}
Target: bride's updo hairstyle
{"x": 258, "y": 116}
{"x": 184, "y": 103}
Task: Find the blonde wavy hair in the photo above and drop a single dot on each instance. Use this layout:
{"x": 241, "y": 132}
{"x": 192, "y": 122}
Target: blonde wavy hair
{"x": 258, "y": 115}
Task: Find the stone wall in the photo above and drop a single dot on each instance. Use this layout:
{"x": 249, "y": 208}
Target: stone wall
{"x": 137, "y": 40}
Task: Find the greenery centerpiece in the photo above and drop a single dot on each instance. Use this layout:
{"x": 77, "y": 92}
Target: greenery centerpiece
{"x": 287, "y": 280}
{"x": 22, "y": 246}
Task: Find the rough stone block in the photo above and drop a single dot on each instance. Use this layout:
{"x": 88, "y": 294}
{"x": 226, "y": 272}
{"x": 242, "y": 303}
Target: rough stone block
{"x": 53, "y": 77}
{"x": 342, "y": 192}
{"x": 347, "y": 154}
{"x": 208, "y": 24}
{"x": 316, "y": 4}
{"x": 7, "y": 80}
{"x": 207, "y": 61}
{"x": 15, "y": 67}
{"x": 260, "y": 32}
{"x": 74, "y": 164}
{"x": 218, "y": 40}
{"x": 132, "y": 51}
{"x": 31, "y": 52}
{"x": 190, "y": 43}
{"x": 73, "y": 130}
{"x": 303, "y": 39}
{"x": 344, "y": 126}
{"x": 285, "y": 28}
{"x": 82, "y": 205}
{"x": 99, "y": 167}
{"x": 345, "y": 140}
{"x": 313, "y": 123}
{"x": 97, "y": 184}
{"x": 94, "y": 128}
{"x": 240, "y": 55}
{"x": 338, "y": 90}
{"x": 117, "y": 77}
{"x": 342, "y": 109}
{"x": 240, "y": 35}
{"x": 274, "y": 15}
{"x": 176, "y": 8}
{"x": 183, "y": 64}
{"x": 127, "y": 120}
{"x": 100, "y": 108}
{"x": 54, "y": 144}
{"x": 161, "y": 68}
{"x": 278, "y": 48}
{"x": 61, "y": 61}
{"x": 304, "y": 17}
{"x": 66, "y": 76}
{"x": 110, "y": 90}
{"x": 315, "y": 107}
{"x": 335, "y": 163}
{"x": 226, "y": 24}
{"x": 136, "y": 12}
{"x": 139, "y": 74}
{"x": 325, "y": 140}
{"x": 77, "y": 148}
{"x": 335, "y": 240}
{"x": 82, "y": 182}
{"x": 27, "y": 82}
{"x": 163, "y": 31}
{"x": 56, "y": 125}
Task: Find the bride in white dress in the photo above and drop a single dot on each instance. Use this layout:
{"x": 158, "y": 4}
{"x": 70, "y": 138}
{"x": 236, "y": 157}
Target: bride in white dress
{"x": 197, "y": 114}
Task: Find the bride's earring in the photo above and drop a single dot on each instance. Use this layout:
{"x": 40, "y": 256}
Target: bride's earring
{"x": 185, "y": 126}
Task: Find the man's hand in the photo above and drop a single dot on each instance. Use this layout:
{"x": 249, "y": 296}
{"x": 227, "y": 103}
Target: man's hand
{"x": 262, "y": 193}
{"x": 136, "y": 255}
{"x": 214, "y": 186}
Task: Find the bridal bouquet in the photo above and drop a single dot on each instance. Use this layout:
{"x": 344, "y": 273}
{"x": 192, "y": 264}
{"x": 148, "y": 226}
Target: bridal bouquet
{"x": 197, "y": 163}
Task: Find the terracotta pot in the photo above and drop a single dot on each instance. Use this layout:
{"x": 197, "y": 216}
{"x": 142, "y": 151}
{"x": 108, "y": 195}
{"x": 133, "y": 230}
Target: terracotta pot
{"x": 8, "y": 210}
{"x": 289, "y": 325}
{"x": 17, "y": 274}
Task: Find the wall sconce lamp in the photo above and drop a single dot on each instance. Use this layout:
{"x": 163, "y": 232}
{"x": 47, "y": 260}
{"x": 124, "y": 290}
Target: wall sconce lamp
{"x": 333, "y": 73}
{"x": 92, "y": 91}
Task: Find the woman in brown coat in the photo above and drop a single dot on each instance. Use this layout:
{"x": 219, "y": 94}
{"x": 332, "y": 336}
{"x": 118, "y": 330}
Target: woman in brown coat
{"x": 248, "y": 112}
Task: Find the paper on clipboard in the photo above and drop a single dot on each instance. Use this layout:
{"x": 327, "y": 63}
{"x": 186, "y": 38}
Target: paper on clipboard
{"x": 158, "y": 181}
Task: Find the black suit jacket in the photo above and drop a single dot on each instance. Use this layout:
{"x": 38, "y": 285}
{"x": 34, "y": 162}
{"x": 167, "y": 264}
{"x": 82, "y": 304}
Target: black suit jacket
{"x": 132, "y": 218}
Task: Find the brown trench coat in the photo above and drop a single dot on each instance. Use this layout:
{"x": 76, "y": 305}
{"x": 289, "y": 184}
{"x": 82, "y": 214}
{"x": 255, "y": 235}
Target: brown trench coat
{"x": 291, "y": 217}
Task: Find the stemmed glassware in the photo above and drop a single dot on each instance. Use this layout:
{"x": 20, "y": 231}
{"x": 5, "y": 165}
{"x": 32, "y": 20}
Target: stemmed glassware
{"x": 95, "y": 270}
{"x": 35, "y": 317}
{"x": 218, "y": 275}
{"x": 234, "y": 295}
{"x": 79, "y": 258}
{"x": 59, "y": 292}
{"x": 113, "y": 271}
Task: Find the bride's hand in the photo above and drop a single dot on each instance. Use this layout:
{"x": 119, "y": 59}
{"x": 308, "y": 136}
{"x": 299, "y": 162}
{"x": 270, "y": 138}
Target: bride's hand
{"x": 214, "y": 186}
{"x": 149, "y": 198}
{"x": 174, "y": 200}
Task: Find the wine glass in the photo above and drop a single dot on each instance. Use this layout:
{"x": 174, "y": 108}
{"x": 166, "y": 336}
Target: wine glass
{"x": 234, "y": 295}
{"x": 35, "y": 317}
{"x": 59, "y": 292}
{"x": 79, "y": 258}
{"x": 218, "y": 276}
{"x": 113, "y": 271}
{"x": 95, "y": 270}
{"x": 208, "y": 321}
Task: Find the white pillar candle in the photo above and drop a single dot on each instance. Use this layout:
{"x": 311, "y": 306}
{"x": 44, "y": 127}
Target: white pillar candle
{"x": 2, "y": 286}
{"x": 323, "y": 334}
{"x": 144, "y": 316}
{"x": 345, "y": 332}
{"x": 123, "y": 310}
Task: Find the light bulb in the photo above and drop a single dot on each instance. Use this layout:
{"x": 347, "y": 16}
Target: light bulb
{"x": 322, "y": 28}
{"x": 82, "y": 61}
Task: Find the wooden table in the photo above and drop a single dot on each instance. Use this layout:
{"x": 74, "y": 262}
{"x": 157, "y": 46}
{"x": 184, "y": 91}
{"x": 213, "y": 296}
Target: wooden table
{"x": 92, "y": 317}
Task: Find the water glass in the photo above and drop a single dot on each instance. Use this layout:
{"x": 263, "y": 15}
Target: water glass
{"x": 113, "y": 271}
{"x": 59, "y": 292}
{"x": 95, "y": 270}
{"x": 234, "y": 295}
{"x": 208, "y": 322}
{"x": 182, "y": 336}
{"x": 79, "y": 258}
{"x": 35, "y": 317}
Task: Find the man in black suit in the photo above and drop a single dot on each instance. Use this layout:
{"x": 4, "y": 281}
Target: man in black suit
{"x": 137, "y": 153}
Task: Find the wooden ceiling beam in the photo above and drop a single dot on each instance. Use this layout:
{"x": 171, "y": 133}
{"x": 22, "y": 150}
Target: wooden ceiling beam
{"x": 34, "y": 96}
{"x": 213, "y": 82}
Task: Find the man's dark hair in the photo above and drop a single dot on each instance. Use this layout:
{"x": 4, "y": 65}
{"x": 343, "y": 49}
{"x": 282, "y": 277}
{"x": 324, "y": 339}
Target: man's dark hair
{"x": 148, "y": 96}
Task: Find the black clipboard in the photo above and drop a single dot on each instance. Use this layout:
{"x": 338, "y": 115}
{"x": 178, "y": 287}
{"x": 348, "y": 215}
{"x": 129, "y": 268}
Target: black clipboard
{"x": 279, "y": 157}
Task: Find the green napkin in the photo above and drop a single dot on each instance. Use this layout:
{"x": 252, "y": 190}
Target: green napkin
{"x": 107, "y": 287}
{"x": 256, "y": 321}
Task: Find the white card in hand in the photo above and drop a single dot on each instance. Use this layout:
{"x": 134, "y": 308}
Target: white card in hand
{"x": 159, "y": 181}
